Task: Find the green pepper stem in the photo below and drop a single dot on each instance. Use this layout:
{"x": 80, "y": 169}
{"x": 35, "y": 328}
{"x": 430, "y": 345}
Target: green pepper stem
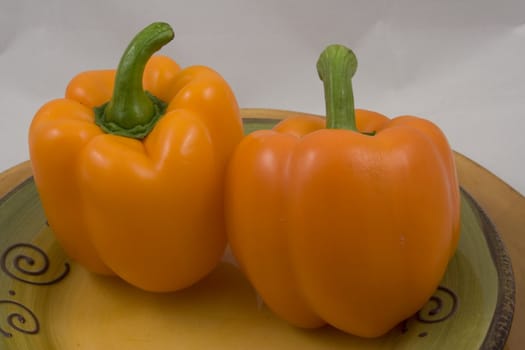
{"x": 336, "y": 67}
{"x": 132, "y": 112}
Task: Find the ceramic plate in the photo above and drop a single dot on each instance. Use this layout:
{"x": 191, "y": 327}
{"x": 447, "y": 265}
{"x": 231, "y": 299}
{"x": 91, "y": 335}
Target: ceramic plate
{"x": 48, "y": 302}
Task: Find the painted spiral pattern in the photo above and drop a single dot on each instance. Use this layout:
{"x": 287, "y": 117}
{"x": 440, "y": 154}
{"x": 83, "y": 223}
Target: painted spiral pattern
{"x": 25, "y": 262}
{"x": 22, "y": 320}
{"x": 434, "y": 311}
{"x": 29, "y": 264}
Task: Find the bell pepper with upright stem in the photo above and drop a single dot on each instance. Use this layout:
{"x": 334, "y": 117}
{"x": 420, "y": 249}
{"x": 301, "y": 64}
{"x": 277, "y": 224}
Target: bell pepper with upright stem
{"x": 130, "y": 166}
{"x": 349, "y": 220}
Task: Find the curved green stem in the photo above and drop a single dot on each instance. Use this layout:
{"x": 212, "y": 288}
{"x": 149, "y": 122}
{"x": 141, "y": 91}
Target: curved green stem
{"x": 336, "y": 67}
{"x": 133, "y": 112}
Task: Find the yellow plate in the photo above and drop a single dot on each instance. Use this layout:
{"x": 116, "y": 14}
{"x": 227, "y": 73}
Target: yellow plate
{"x": 47, "y": 302}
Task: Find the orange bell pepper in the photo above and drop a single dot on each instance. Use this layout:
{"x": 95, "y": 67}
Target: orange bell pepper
{"x": 131, "y": 181}
{"x": 352, "y": 224}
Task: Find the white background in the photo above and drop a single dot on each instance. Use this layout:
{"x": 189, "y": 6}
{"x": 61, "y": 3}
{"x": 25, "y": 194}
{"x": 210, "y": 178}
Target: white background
{"x": 459, "y": 63}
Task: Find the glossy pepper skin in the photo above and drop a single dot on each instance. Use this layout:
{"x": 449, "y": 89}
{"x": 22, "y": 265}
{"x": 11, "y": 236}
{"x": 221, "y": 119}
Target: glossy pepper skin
{"x": 351, "y": 227}
{"x": 150, "y": 208}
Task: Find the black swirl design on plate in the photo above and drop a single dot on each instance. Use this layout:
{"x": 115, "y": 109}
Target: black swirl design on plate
{"x": 435, "y": 310}
{"x": 437, "y": 313}
{"x": 17, "y": 263}
{"x": 23, "y": 320}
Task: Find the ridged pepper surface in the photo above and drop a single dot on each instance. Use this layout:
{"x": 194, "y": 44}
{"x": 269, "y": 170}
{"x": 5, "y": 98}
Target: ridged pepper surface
{"x": 349, "y": 220}
{"x": 130, "y": 166}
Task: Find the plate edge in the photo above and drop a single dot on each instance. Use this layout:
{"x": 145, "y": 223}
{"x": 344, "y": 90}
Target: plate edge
{"x": 501, "y": 323}
{"x": 15, "y": 189}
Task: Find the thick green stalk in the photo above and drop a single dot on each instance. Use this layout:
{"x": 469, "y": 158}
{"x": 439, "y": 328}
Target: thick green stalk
{"x": 336, "y": 67}
{"x": 133, "y": 112}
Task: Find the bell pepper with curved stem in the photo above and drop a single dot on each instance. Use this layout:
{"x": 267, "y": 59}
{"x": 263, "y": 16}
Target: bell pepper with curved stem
{"x": 349, "y": 220}
{"x": 130, "y": 166}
